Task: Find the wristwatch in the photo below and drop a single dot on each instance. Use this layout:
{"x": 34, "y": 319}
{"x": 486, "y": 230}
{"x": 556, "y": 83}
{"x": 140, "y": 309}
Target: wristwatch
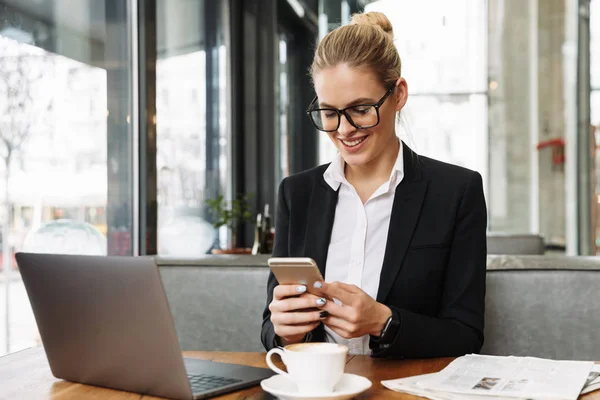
{"x": 390, "y": 329}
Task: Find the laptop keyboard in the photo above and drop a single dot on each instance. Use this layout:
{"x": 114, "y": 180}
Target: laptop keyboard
{"x": 204, "y": 382}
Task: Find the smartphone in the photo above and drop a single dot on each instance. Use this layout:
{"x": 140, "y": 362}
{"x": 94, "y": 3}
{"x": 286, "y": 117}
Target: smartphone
{"x": 295, "y": 270}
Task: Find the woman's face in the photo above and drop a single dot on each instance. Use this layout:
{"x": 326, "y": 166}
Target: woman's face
{"x": 343, "y": 86}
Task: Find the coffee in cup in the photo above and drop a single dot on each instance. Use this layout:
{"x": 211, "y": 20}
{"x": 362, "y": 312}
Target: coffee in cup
{"x": 313, "y": 367}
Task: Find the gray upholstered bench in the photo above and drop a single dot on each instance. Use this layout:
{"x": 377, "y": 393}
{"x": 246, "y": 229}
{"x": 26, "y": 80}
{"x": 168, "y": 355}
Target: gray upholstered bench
{"x": 522, "y": 244}
{"x": 544, "y": 306}
{"x": 217, "y": 302}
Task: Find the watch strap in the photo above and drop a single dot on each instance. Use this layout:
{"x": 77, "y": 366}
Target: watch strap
{"x": 390, "y": 330}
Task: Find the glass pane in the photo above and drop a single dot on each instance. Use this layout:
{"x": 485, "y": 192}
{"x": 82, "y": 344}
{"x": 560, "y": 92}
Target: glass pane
{"x": 595, "y": 105}
{"x": 193, "y": 136}
{"x": 595, "y": 111}
{"x": 595, "y": 43}
{"x": 442, "y": 43}
{"x": 510, "y": 114}
{"x": 283, "y": 103}
{"x": 454, "y": 131}
{"x": 595, "y": 120}
{"x": 65, "y": 106}
{"x": 532, "y": 113}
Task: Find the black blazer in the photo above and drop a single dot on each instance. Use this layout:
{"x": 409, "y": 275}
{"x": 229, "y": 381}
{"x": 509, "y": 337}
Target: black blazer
{"x": 434, "y": 265}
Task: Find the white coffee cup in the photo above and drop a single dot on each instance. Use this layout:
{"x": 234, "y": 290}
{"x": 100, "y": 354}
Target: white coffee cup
{"x": 313, "y": 367}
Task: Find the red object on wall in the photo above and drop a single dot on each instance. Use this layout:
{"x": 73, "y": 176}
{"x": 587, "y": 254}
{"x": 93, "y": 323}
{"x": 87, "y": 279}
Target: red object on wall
{"x": 558, "y": 149}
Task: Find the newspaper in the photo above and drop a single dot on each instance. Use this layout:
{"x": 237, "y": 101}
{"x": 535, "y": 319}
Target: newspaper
{"x": 521, "y": 377}
{"x": 410, "y": 386}
{"x": 593, "y": 380}
{"x": 478, "y": 377}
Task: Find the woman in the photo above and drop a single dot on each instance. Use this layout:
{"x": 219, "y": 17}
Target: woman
{"x": 400, "y": 238}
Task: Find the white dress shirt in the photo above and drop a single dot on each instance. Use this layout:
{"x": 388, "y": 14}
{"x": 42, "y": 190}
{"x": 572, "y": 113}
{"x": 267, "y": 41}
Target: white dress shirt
{"x": 359, "y": 237}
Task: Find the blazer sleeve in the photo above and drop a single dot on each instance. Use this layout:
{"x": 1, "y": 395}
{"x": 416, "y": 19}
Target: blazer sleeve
{"x": 280, "y": 249}
{"x": 458, "y": 328}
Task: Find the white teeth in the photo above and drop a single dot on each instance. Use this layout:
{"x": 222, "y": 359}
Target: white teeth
{"x": 354, "y": 142}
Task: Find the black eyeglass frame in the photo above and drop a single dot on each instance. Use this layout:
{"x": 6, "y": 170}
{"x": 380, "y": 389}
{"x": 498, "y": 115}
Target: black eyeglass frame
{"x": 341, "y": 112}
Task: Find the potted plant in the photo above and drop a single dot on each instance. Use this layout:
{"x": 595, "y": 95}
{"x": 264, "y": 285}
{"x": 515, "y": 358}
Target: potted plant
{"x": 232, "y": 216}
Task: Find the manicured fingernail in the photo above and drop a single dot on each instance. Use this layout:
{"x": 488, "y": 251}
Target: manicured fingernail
{"x": 300, "y": 289}
{"x": 318, "y": 285}
{"x": 323, "y": 314}
{"x": 321, "y": 301}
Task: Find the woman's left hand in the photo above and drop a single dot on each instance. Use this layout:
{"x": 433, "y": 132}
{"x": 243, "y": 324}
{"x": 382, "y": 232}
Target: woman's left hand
{"x": 359, "y": 314}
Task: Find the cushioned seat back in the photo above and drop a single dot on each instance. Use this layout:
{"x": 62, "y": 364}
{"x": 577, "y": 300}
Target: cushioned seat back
{"x": 543, "y": 313}
{"x": 538, "y": 312}
{"x": 217, "y": 308}
{"x": 515, "y": 244}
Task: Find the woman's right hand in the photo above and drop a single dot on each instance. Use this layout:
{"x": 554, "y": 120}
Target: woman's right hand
{"x": 295, "y": 312}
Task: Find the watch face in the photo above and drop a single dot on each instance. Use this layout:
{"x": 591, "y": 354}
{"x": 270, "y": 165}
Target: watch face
{"x": 387, "y": 326}
{"x": 384, "y": 332}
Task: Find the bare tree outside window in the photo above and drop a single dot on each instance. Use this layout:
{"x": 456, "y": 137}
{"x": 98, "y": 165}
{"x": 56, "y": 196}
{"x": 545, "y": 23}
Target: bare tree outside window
{"x": 23, "y": 110}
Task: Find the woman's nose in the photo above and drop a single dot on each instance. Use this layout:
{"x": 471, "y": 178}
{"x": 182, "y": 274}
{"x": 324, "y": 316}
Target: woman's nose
{"x": 345, "y": 127}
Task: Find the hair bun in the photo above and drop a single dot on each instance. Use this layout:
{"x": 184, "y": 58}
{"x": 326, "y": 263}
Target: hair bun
{"x": 373, "y": 18}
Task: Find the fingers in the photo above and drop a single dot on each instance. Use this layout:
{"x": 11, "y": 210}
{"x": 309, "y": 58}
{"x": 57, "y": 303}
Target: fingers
{"x": 337, "y": 290}
{"x": 287, "y": 331}
{"x": 298, "y": 318}
{"x": 283, "y": 291}
{"x": 344, "y": 312}
{"x": 339, "y": 327}
{"x": 305, "y": 301}
{"x": 290, "y": 317}
{"x": 295, "y": 312}
{"x": 347, "y": 287}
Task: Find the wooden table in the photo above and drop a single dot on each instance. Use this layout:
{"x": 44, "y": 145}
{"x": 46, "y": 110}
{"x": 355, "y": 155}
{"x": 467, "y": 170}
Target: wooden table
{"x": 26, "y": 375}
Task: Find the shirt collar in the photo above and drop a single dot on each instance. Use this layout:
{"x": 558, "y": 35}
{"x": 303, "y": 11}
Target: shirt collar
{"x": 334, "y": 174}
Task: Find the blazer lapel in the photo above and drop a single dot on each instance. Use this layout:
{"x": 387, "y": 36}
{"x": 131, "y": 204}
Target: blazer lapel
{"x": 321, "y": 213}
{"x": 406, "y": 209}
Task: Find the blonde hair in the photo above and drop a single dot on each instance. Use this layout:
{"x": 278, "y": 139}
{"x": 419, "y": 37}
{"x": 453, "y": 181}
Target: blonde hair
{"x": 367, "y": 42}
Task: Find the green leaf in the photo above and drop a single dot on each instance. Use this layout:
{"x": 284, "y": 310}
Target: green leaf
{"x": 231, "y": 215}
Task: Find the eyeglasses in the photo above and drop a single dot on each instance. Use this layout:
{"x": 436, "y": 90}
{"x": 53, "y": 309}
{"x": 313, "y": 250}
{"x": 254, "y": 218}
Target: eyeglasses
{"x": 360, "y": 116}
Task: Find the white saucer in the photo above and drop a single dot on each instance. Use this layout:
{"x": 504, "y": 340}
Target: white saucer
{"x": 350, "y": 385}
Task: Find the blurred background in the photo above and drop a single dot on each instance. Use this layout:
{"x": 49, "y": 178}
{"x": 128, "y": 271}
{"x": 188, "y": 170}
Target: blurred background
{"x": 122, "y": 122}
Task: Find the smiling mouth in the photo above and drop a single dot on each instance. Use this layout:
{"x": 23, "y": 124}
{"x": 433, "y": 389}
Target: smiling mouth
{"x": 355, "y": 142}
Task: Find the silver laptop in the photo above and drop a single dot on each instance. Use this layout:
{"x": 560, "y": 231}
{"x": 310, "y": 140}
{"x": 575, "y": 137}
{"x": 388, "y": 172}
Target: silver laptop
{"x": 105, "y": 321}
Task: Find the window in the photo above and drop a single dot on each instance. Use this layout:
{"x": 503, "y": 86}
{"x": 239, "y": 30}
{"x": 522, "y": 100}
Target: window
{"x": 65, "y": 130}
{"x": 193, "y": 135}
{"x": 283, "y": 106}
{"x": 442, "y": 46}
{"x": 443, "y": 51}
{"x": 595, "y": 62}
{"x": 595, "y": 111}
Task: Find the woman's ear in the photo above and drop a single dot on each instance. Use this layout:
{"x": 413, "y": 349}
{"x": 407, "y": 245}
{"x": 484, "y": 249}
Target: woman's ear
{"x": 401, "y": 93}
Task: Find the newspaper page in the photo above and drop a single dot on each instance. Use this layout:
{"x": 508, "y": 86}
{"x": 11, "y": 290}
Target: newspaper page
{"x": 591, "y": 387}
{"x": 410, "y": 386}
{"x": 520, "y": 377}
{"x": 593, "y": 380}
